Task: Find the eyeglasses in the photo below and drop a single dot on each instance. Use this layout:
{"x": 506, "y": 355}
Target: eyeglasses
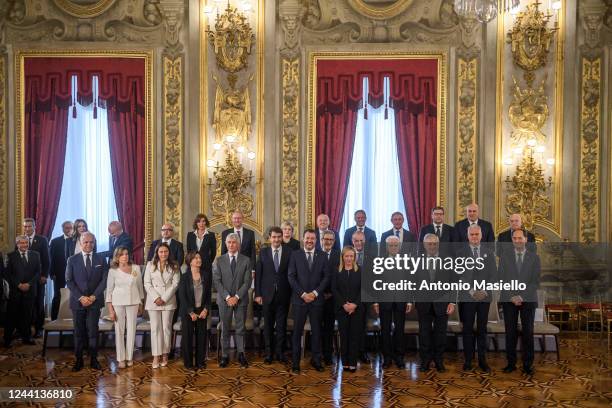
{"x": 328, "y": 239}
{"x": 167, "y": 229}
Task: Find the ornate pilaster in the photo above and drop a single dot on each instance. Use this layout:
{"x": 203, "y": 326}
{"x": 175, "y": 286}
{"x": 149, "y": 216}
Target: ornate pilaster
{"x": 590, "y": 122}
{"x": 4, "y": 204}
{"x": 289, "y": 12}
{"x": 173, "y": 95}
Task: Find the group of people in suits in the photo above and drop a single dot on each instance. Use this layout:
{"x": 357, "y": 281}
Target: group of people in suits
{"x": 316, "y": 280}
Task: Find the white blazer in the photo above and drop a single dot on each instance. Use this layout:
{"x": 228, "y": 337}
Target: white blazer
{"x": 163, "y": 285}
{"x": 124, "y": 289}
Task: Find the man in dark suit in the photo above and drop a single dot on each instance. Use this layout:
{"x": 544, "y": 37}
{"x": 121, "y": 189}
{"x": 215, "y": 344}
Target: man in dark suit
{"x": 523, "y": 266}
{"x": 247, "y": 238}
{"x": 433, "y": 306}
{"x": 39, "y": 244}
{"x": 472, "y": 212}
{"x": 474, "y": 304}
{"x": 60, "y": 249}
{"x": 393, "y": 312}
{"x": 309, "y": 278}
{"x": 406, "y": 237}
{"x": 322, "y": 227}
{"x": 272, "y": 290}
{"x": 445, "y": 232}
{"x": 167, "y": 236}
{"x": 329, "y": 314}
{"x": 360, "y": 221}
{"x": 117, "y": 237}
{"x": 22, "y": 274}
{"x": 86, "y": 278}
{"x": 232, "y": 274}
{"x": 504, "y": 239}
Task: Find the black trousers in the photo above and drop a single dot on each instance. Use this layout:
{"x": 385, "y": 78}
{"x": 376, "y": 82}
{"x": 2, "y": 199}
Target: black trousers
{"x": 58, "y": 284}
{"x": 39, "y": 306}
{"x": 19, "y": 316}
{"x": 189, "y": 329}
{"x": 511, "y": 315}
{"x": 329, "y": 320}
{"x": 275, "y": 318}
{"x": 300, "y": 313}
{"x": 350, "y": 327}
{"x": 432, "y": 330}
{"x": 469, "y": 313}
{"x": 392, "y": 344}
{"x": 364, "y": 329}
{"x": 86, "y": 331}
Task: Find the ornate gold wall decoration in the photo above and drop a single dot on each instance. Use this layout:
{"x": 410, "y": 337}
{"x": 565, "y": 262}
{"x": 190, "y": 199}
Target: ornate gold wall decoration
{"x": 384, "y": 11}
{"x": 290, "y": 141}
{"x": 528, "y": 112}
{"x": 82, "y": 9}
{"x": 467, "y": 125}
{"x": 590, "y": 134}
{"x": 5, "y": 242}
{"x": 232, "y": 40}
{"x": 173, "y": 141}
{"x": 530, "y": 38}
{"x": 232, "y": 114}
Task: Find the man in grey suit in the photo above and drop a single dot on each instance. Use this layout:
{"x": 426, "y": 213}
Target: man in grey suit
{"x": 232, "y": 278}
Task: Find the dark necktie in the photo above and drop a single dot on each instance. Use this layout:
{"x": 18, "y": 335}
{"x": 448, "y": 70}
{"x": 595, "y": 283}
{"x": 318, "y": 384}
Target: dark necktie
{"x": 29, "y": 243}
{"x": 397, "y": 233}
{"x": 66, "y": 248}
{"x": 475, "y": 252}
{"x": 276, "y": 260}
{"x": 438, "y": 231}
{"x": 309, "y": 260}
{"x": 233, "y": 266}
{"x": 112, "y": 243}
{"x": 519, "y": 262}
{"x": 360, "y": 258}
{"x": 88, "y": 265}
{"x": 239, "y": 237}
{"x": 24, "y": 258}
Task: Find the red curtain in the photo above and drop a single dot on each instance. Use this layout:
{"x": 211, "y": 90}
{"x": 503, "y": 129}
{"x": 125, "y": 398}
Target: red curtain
{"x": 412, "y": 96}
{"x": 121, "y": 90}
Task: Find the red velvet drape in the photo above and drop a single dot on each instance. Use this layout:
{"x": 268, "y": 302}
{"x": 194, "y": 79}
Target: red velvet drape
{"x": 121, "y": 90}
{"x": 412, "y": 96}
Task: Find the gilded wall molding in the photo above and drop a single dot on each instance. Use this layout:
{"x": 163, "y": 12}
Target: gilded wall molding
{"x": 467, "y": 126}
{"x": 590, "y": 155}
{"x": 5, "y": 242}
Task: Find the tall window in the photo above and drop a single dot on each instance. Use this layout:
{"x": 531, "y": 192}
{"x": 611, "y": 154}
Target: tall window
{"x": 87, "y": 188}
{"x": 374, "y": 183}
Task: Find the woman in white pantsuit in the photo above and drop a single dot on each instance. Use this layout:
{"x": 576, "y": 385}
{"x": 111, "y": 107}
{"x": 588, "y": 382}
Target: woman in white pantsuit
{"x": 124, "y": 297}
{"x": 161, "y": 282}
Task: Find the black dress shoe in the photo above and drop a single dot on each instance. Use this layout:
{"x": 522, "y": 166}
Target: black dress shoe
{"x": 29, "y": 342}
{"x": 485, "y": 367}
{"x": 268, "y": 359}
{"x": 95, "y": 365}
{"x": 38, "y": 334}
{"x": 365, "y": 359}
{"x": 188, "y": 367}
{"x": 440, "y": 367}
{"x": 467, "y": 367}
{"x": 295, "y": 369}
{"x": 528, "y": 370}
{"x": 201, "y": 366}
{"x": 78, "y": 365}
{"x": 328, "y": 361}
{"x": 316, "y": 365}
{"x": 509, "y": 369}
{"x": 281, "y": 358}
{"x": 224, "y": 362}
{"x": 424, "y": 367}
{"x": 386, "y": 364}
{"x": 399, "y": 362}
{"x": 242, "y": 360}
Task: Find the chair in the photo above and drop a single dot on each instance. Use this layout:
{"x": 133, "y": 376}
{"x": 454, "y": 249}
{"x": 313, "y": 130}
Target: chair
{"x": 495, "y": 325}
{"x": 561, "y": 314}
{"x": 63, "y": 323}
{"x": 543, "y": 328}
{"x": 143, "y": 327}
{"x": 591, "y": 313}
{"x": 105, "y": 325}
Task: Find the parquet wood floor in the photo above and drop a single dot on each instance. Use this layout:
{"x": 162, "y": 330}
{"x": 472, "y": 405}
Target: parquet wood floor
{"x": 582, "y": 378}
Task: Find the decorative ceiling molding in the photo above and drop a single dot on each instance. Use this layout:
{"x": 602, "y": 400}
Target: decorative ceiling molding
{"x": 84, "y": 9}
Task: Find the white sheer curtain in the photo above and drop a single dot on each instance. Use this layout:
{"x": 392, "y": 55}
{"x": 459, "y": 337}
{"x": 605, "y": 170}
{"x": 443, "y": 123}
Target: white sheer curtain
{"x": 87, "y": 189}
{"x": 374, "y": 183}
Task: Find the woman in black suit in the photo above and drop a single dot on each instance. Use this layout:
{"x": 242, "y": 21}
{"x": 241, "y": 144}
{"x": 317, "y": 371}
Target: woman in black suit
{"x": 346, "y": 287}
{"x": 288, "y": 239}
{"x": 194, "y": 293}
{"x": 202, "y": 241}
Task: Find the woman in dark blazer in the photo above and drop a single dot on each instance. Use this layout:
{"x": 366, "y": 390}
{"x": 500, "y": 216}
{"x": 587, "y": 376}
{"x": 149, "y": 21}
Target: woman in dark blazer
{"x": 346, "y": 287}
{"x": 288, "y": 239}
{"x": 202, "y": 241}
{"x": 194, "y": 293}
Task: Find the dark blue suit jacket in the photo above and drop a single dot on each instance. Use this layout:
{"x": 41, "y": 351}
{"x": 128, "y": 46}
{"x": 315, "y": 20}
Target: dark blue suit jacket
{"x": 370, "y": 235}
{"x": 407, "y": 237}
{"x": 448, "y": 232}
{"x": 461, "y": 228}
{"x": 123, "y": 240}
{"x": 57, "y": 251}
{"x": 303, "y": 280}
{"x": 80, "y": 285}
{"x": 336, "y": 242}
{"x": 266, "y": 277}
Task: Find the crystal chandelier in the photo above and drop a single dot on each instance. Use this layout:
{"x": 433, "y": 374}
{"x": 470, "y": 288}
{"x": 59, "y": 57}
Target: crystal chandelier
{"x": 482, "y": 10}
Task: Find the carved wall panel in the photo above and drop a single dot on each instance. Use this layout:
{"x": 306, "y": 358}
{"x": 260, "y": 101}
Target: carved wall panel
{"x": 290, "y": 141}
{"x": 5, "y": 241}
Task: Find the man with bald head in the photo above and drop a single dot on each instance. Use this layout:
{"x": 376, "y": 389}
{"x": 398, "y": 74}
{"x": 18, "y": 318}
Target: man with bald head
{"x": 504, "y": 239}
{"x": 322, "y": 227}
{"x": 177, "y": 250}
{"x": 472, "y": 212}
{"x": 117, "y": 238}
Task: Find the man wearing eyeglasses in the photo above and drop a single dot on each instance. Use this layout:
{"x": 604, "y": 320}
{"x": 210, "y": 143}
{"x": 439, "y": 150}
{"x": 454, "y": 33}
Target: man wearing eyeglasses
{"x": 167, "y": 236}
